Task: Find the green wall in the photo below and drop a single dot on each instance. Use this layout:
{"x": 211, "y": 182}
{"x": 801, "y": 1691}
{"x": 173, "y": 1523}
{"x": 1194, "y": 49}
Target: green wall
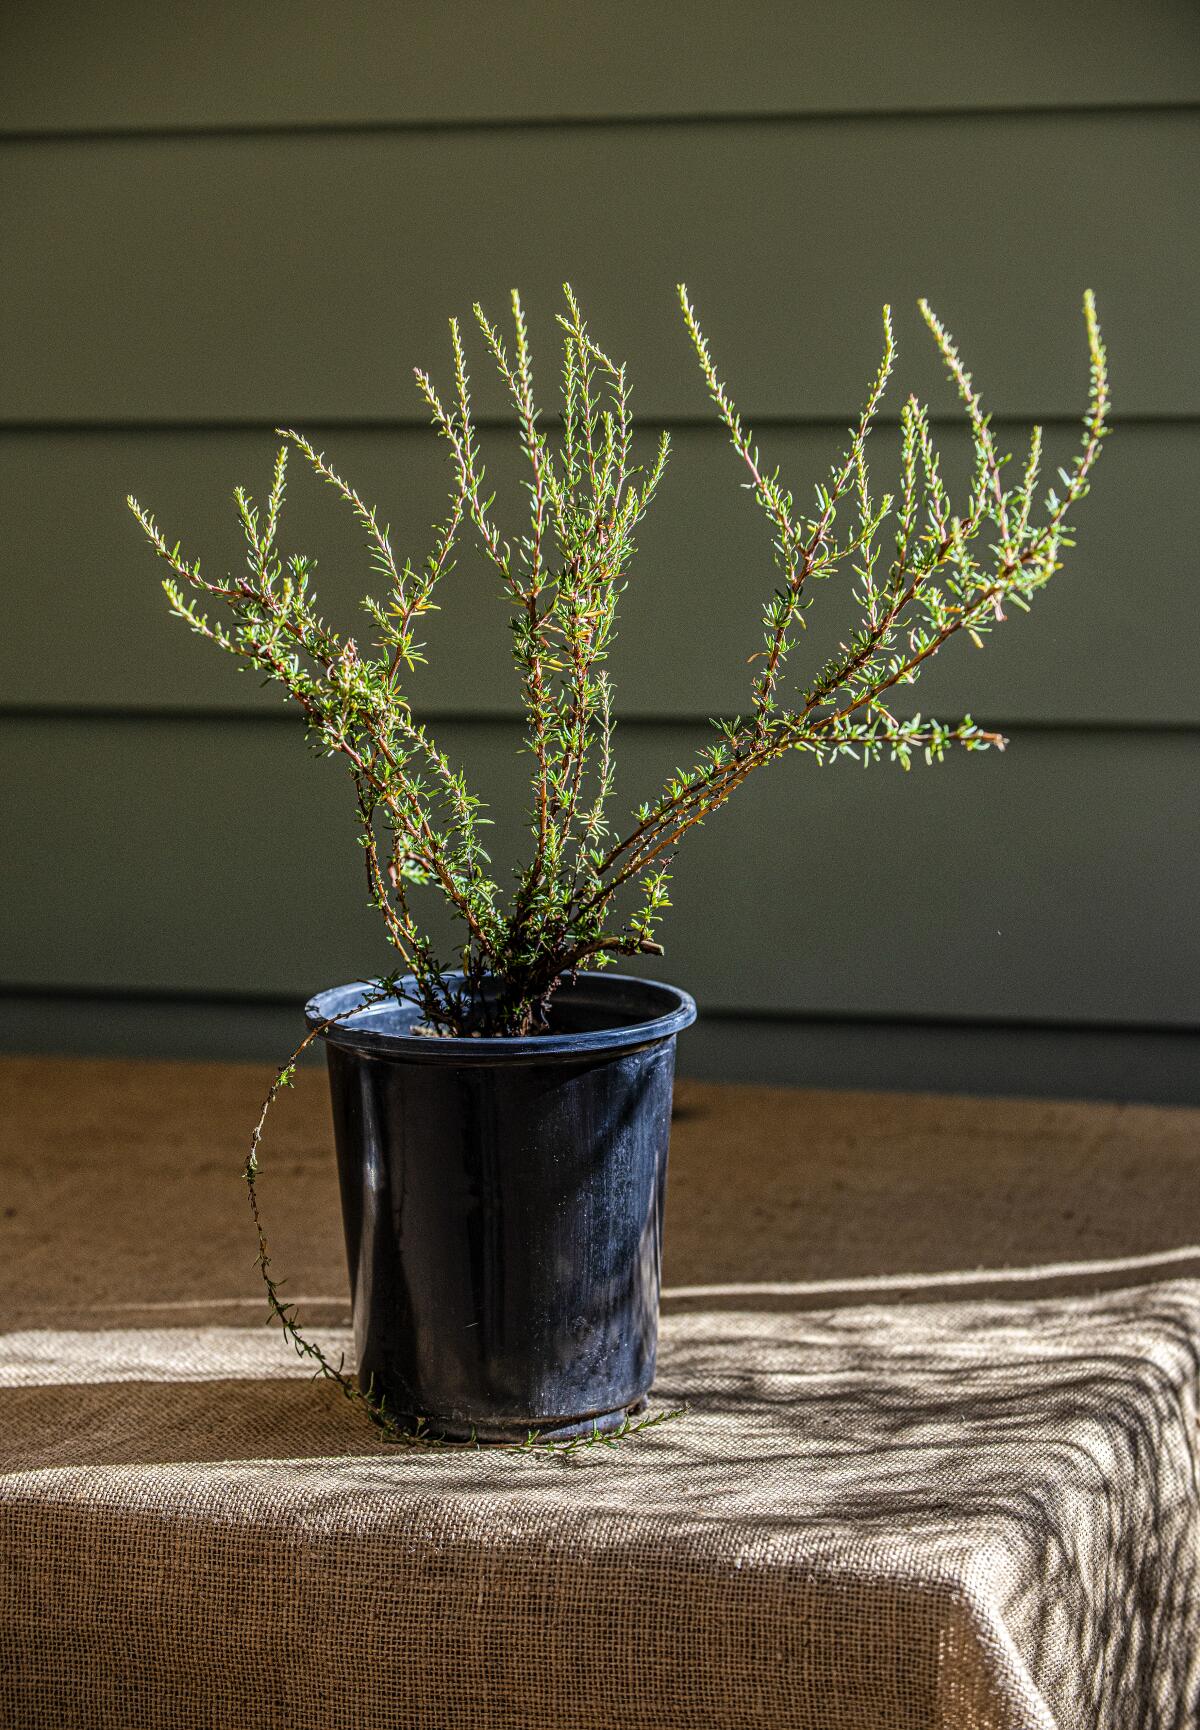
{"x": 224, "y": 221}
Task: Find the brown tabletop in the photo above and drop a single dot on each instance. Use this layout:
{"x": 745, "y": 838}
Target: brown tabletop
{"x": 939, "y": 1467}
{"x": 121, "y": 1187}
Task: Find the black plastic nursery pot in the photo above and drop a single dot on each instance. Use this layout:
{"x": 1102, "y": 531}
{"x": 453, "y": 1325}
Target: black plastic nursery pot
{"x": 503, "y": 1202}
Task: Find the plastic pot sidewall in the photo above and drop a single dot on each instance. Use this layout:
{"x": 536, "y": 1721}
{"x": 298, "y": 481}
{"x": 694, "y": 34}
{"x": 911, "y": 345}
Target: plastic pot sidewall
{"x": 503, "y": 1202}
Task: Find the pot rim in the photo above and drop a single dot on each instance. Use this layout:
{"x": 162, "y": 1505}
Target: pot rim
{"x": 666, "y": 1011}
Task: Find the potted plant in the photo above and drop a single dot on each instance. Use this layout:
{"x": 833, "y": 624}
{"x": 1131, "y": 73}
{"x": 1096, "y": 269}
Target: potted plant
{"x": 502, "y": 1123}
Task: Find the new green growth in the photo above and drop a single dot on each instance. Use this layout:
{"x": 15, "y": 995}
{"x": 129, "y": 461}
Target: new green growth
{"x": 592, "y": 889}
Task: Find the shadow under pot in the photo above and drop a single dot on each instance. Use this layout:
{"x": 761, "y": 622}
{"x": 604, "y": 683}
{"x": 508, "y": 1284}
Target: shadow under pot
{"x": 503, "y": 1203}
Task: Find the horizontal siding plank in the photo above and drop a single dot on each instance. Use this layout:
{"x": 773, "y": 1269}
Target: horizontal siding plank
{"x": 907, "y": 1057}
{"x": 87, "y": 624}
{"x": 247, "y": 278}
{"x": 374, "y": 61}
{"x": 1042, "y": 884}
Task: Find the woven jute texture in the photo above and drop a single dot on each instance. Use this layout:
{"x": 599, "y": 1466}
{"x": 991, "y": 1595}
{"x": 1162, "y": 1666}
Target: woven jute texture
{"x": 970, "y": 1516}
{"x": 980, "y": 1514}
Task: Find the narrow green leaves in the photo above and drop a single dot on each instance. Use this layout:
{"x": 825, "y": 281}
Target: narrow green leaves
{"x": 922, "y": 569}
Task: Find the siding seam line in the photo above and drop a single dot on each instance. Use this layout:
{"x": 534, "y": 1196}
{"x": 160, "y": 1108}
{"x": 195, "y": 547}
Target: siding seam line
{"x": 200, "y": 998}
{"x": 720, "y": 118}
{"x": 151, "y": 715}
{"x": 1184, "y": 418}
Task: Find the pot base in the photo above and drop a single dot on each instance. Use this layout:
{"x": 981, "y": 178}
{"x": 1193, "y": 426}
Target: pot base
{"x": 504, "y": 1435}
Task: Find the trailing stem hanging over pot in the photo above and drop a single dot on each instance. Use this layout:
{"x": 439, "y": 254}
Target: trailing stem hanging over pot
{"x": 592, "y": 891}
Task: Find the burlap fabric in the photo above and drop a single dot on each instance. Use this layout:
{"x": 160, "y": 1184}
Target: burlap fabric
{"x": 980, "y": 1514}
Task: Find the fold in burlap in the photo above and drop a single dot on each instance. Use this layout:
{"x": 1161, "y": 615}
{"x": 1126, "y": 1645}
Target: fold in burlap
{"x": 969, "y": 1515}
{"x": 973, "y": 1516}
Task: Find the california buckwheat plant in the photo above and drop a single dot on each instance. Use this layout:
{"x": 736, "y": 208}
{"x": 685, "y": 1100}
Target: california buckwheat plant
{"x": 592, "y": 890}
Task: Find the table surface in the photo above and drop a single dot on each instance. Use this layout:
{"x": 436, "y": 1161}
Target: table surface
{"x": 766, "y": 1185}
{"x": 939, "y": 1469}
